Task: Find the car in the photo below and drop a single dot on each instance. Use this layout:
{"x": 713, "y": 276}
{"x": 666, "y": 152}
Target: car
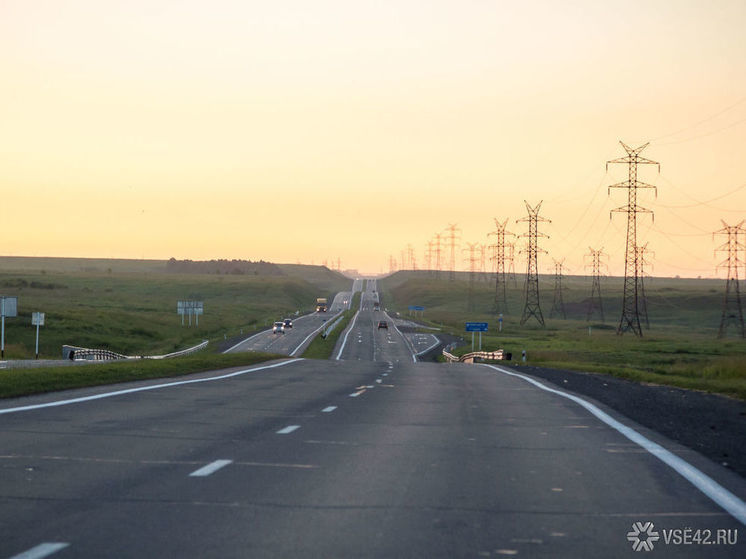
{"x": 278, "y": 328}
{"x": 288, "y": 323}
{"x": 383, "y": 324}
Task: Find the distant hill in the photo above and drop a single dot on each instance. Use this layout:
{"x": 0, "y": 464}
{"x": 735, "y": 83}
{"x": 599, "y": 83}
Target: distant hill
{"x": 222, "y": 266}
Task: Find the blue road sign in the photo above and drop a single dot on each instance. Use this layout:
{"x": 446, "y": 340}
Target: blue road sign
{"x": 416, "y": 308}
{"x": 476, "y": 326}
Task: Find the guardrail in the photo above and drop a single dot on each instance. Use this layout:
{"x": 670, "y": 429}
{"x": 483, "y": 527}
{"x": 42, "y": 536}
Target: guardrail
{"x": 331, "y": 327}
{"x": 497, "y": 355}
{"x": 74, "y": 353}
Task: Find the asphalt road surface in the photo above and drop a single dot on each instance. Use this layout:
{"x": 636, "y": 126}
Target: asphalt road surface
{"x": 369, "y": 455}
{"x": 297, "y": 338}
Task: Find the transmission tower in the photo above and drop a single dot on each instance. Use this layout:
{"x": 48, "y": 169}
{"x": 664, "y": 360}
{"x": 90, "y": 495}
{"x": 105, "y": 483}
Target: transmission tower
{"x": 392, "y": 264}
{"x": 732, "y": 310}
{"x": 558, "y": 306}
{"x": 501, "y": 300}
{"x": 511, "y": 259}
{"x": 641, "y": 252}
{"x": 438, "y": 261}
{"x": 531, "y": 307}
{"x": 411, "y": 258}
{"x": 596, "y": 301}
{"x": 451, "y": 238}
{"x": 630, "y": 320}
{"x": 429, "y": 257}
{"x": 473, "y": 264}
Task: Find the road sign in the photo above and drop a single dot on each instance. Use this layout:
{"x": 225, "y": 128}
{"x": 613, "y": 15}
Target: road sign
{"x": 416, "y": 308}
{"x": 8, "y": 306}
{"x": 37, "y": 319}
{"x": 476, "y": 326}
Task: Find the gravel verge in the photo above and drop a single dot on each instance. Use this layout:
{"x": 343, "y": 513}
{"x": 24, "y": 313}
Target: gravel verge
{"x": 713, "y": 425}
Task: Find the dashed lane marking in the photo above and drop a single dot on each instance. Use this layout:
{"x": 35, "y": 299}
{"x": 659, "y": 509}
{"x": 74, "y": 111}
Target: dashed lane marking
{"x": 41, "y": 550}
{"x": 211, "y": 468}
{"x": 329, "y": 409}
{"x": 287, "y": 430}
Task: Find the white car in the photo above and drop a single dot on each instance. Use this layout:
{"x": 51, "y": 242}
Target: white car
{"x": 278, "y": 328}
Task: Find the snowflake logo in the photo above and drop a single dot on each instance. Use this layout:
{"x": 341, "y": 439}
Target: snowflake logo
{"x": 643, "y": 536}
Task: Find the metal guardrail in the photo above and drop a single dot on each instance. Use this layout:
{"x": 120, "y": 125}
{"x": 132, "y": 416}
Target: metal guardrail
{"x": 331, "y": 327}
{"x": 497, "y": 355}
{"x": 74, "y": 353}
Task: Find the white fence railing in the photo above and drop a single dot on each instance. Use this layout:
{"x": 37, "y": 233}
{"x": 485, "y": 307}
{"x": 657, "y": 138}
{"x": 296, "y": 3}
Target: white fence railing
{"x": 74, "y": 353}
{"x": 496, "y": 355}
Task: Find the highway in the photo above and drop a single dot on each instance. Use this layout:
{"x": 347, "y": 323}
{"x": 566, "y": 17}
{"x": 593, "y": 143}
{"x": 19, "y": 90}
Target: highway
{"x": 369, "y": 454}
{"x": 297, "y": 338}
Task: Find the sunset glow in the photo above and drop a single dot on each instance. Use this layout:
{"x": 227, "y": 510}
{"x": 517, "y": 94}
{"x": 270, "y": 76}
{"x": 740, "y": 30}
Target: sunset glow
{"x": 310, "y": 131}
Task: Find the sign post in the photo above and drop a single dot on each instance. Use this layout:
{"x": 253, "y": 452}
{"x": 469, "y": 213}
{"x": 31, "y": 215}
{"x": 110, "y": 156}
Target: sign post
{"x": 37, "y": 319}
{"x": 9, "y": 308}
{"x": 190, "y": 308}
{"x": 476, "y": 327}
{"x": 500, "y": 323}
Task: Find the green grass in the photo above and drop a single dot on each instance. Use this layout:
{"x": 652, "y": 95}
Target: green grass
{"x": 680, "y": 348}
{"x": 129, "y": 306}
{"x": 23, "y": 382}
{"x": 322, "y": 348}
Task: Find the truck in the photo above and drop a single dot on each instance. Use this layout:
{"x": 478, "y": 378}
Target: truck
{"x": 321, "y": 304}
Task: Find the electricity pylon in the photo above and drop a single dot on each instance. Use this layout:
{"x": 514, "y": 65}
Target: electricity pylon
{"x": 558, "y": 306}
{"x": 732, "y": 310}
{"x": 596, "y": 301}
{"x": 641, "y": 252}
{"x": 451, "y": 238}
{"x": 501, "y": 300}
{"x": 630, "y": 320}
{"x": 473, "y": 262}
{"x": 438, "y": 261}
{"x": 531, "y": 292}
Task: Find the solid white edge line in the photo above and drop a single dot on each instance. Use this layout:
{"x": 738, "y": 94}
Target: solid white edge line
{"x": 406, "y": 341}
{"x": 142, "y": 389}
{"x": 287, "y": 430}
{"x": 344, "y": 341}
{"x": 41, "y": 550}
{"x": 211, "y": 468}
{"x": 246, "y": 340}
{"x": 712, "y": 489}
{"x": 326, "y": 323}
{"x": 437, "y": 341}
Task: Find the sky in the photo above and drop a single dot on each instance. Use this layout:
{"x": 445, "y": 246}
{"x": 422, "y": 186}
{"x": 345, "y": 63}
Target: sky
{"x": 325, "y": 131}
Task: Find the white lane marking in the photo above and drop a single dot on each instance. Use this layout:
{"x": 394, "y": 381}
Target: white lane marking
{"x": 211, "y": 468}
{"x": 344, "y": 341}
{"x": 356, "y": 394}
{"x": 41, "y": 550}
{"x": 437, "y": 341}
{"x": 406, "y": 340}
{"x": 287, "y": 430}
{"x": 324, "y": 324}
{"x": 329, "y": 409}
{"x": 143, "y": 389}
{"x": 719, "y": 494}
{"x": 247, "y": 340}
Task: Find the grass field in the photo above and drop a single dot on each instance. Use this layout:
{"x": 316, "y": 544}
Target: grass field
{"x": 23, "y": 382}
{"x": 129, "y": 306}
{"x": 679, "y": 348}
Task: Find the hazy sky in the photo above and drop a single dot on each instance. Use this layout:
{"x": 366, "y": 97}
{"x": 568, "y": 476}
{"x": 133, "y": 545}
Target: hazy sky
{"x": 315, "y": 130}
